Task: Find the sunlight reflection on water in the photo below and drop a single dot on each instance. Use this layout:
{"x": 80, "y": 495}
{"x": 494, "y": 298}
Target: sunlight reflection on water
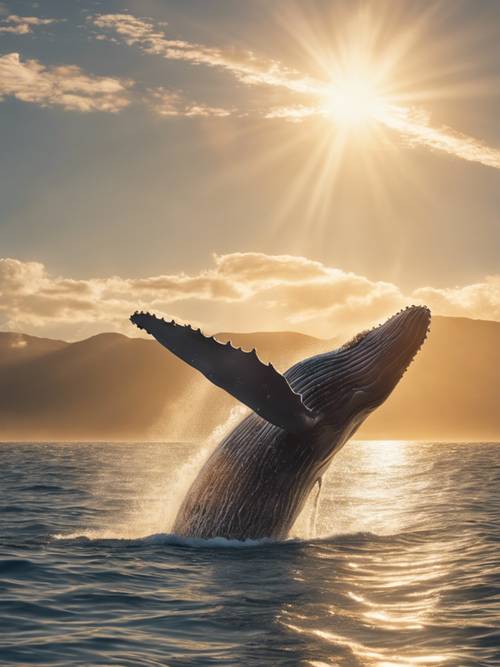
{"x": 405, "y": 570}
{"x": 398, "y": 587}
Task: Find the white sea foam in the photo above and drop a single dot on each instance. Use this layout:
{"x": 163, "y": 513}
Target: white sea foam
{"x": 108, "y": 538}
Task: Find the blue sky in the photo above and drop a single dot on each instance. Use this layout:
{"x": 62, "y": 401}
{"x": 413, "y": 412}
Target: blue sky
{"x": 141, "y": 138}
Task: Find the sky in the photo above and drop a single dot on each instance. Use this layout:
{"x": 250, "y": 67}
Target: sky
{"x": 263, "y": 165}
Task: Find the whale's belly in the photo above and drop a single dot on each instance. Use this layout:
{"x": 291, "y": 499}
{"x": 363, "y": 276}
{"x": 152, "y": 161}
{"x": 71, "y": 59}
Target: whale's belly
{"x": 252, "y": 486}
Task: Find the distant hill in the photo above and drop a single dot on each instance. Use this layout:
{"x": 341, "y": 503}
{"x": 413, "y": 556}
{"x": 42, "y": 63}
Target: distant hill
{"x": 16, "y": 348}
{"x": 452, "y": 389}
{"x": 119, "y": 388}
{"x": 111, "y": 387}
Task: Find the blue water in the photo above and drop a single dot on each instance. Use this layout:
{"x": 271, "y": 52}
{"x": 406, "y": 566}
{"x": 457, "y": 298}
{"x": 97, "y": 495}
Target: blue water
{"x": 400, "y": 566}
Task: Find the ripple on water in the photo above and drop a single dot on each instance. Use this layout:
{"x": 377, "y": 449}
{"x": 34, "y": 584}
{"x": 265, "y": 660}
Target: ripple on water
{"x": 404, "y": 570}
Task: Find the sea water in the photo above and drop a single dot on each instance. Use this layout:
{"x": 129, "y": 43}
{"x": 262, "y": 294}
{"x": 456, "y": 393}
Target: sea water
{"x": 399, "y": 565}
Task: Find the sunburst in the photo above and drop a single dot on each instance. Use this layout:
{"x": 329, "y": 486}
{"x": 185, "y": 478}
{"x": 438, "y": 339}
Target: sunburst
{"x": 372, "y": 74}
{"x": 354, "y": 101}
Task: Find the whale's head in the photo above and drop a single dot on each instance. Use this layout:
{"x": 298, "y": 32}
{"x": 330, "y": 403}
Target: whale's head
{"x": 344, "y": 386}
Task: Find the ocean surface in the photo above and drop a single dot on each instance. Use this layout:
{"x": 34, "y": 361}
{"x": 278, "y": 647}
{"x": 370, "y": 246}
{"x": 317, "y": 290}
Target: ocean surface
{"x": 399, "y": 565}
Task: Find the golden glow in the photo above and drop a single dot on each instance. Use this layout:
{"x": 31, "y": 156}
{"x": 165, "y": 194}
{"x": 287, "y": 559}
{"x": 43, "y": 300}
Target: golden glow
{"x": 394, "y": 588}
{"x": 354, "y": 101}
{"x": 375, "y": 79}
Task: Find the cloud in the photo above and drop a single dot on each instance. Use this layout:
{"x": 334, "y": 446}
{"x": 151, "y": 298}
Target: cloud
{"x": 414, "y": 126}
{"x": 244, "y": 65}
{"x": 171, "y": 103}
{"x": 69, "y": 87}
{"x": 411, "y": 124}
{"x": 66, "y": 86}
{"x": 480, "y": 300}
{"x": 294, "y": 113}
{"x": 257, "y": 268}
{"x": 23, "y": 25}
{"x": 240, "y": 291}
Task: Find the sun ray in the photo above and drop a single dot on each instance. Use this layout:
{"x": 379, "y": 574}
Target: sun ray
{"x": 373, "y": 72}
{"x": 326, "y": 178}
{"x": 371, "y": 80}
{"x": 304, "y": 180}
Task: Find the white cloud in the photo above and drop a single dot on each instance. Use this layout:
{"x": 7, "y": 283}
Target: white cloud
{"x": 241, "y": 291}
{"x": 23, "y": 25}
{"x": 410, "y": 124}
{"x": 245, "y": 66}
{"x": 414, "y": 126}
{"x": 66, "y": 86}
{"x": 294, "y": 113}
{"x": 480, "y": 300}
{"x": 171, "y": 103}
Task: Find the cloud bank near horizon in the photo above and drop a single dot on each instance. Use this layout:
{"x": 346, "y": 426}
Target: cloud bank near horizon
{"x": 240, "y": 292}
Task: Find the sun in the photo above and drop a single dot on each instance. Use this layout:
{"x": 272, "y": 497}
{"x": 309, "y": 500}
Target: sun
{"x": 353, "y": 101}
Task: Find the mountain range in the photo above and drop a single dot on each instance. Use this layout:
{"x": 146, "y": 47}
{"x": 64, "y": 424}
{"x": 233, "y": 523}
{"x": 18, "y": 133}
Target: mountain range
{"x": 112, "y": 387}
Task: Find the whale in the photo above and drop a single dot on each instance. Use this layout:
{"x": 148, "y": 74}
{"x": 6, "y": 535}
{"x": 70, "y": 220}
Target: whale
{"x": 258, "y": 478}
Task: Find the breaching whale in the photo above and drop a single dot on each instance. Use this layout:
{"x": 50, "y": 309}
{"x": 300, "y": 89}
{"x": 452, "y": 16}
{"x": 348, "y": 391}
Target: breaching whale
{"x": 256, "y": 481}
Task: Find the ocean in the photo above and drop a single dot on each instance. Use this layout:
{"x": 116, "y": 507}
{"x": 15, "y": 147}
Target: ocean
{"x": 396, "y": 563}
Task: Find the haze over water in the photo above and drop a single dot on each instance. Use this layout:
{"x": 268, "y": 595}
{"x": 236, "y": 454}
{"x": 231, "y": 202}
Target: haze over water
{"x": 399, "y": 567}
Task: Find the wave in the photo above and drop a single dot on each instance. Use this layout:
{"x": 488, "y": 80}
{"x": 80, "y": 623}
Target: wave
{"x": 401, "y": 566}
{"x": 167, "y": 539}
{"x": 109, "y": 538}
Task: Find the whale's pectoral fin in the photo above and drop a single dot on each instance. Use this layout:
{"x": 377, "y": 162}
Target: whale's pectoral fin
{"x": 240, "y": 373}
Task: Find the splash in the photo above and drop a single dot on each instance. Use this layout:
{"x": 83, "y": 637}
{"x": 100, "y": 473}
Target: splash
{"x": 169, "y": 539}
{"x": 150, "y": 501}
{"x": 185, "y": 475}
{"x": 305, "y": 526}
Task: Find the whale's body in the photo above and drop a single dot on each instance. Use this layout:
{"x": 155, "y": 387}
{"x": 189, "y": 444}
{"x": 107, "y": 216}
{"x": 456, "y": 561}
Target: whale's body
{"x": 256, "y": 481}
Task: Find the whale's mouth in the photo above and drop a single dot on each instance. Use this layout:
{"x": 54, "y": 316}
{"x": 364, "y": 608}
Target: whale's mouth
{"x": 416, "y": 318}
{"x": 404, "y": 334}
{"x": 374, "y": 361}
{"x": 387, "y": 351}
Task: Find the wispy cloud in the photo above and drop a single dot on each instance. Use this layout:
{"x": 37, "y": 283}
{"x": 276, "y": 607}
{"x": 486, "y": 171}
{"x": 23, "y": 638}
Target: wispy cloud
{"x": 71, "y": 88}
{"x": 413, "y": 126}
{"x": 23, "y": 25}
{"x": 244, "y": 65}
{"x": 287, "y": 292}
{"x": 172, "y": 103}
{"x": 416, "y": 128}
{"x": 67, "y": 86}
{"x": 295, "y": 113}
